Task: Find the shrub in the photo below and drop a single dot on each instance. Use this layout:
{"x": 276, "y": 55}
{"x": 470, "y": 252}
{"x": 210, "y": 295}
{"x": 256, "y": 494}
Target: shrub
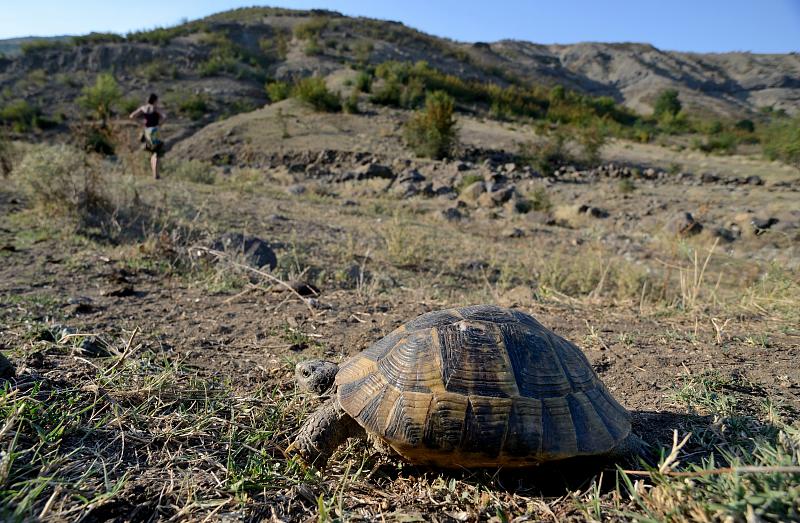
{"x": 350, "y": 104}
{"x": 6, "y": 154}
{"x": 592, "y": 139}
{"x": 194, "y": 171}
{"x": 275, "y": 48}
{"x": 745, "y": 125}
{"x": 21, "y": 115}
{"x": 35, "y": 46}
{"x": 158, "y": 70}
{"x": 667, "y": 104}
{"x": 311, "y": 29}
{"x": 363, "y": 82}
{"x": 277, "y": 91}
{"x": 540, "y": 200}
{"x": 314, "y": 92}
{"x": 193, "y": 106}
{"x": 432, "y": 132}
{"x": 102, "y": 96}
{"x": 548, "y": 154}
{"x": 97, "y": 38}
{"x": 723, "y": 142}
{"x": 781, "y": 140}
{"x": 312, "y": 48}
{"x": 60, "y": 180}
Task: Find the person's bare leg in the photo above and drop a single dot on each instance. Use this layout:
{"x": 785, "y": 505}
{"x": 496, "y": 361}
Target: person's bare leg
{"x": 154, "y": 165}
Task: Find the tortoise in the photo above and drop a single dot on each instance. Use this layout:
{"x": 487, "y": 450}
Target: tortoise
{"x": 473, "y": 387}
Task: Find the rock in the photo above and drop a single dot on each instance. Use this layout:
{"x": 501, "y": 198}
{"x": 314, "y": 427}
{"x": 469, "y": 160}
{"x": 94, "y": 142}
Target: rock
{"x": 412, "y": 175}
{"x": 303, "y": 288}
{"x": 754, "y": 180}
{"x": 91, "y": 348}
{"x": 296, "y": 189}
{"x": 683, "y": 224}
{"x": 119, "y": 291}
{"x": 7, "y": 370}
{"x": 349, "y": 203}
{"x": 513, "y": 232}
{"x": 80, "y": 305}
{"x": 472, "y": 192}
{"x": 255, "y": 251}
{"x": 373, "y": 170}
{"x": 452, "y": 214}
{"x": 709, "y": 178}
{"x": 595, "y": 212}
{"x": 761, "y": 225}
{"x": 726, "y": 234}
{"x": 498, "y": 197}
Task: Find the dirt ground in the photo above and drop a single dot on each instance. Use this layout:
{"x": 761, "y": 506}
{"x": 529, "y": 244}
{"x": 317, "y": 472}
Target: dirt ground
{"x": 672, "y": 325}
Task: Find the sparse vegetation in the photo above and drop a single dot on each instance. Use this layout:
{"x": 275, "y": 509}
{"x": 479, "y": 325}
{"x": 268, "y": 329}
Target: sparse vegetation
{"x": 314, "y": 92}
{"x": 278, "y": 91}
{"x": 781, "y": 140}
{"x": 102, "y": 97}
{"x": 433, "y": 131}
{"x": 191, "y": 170}
{"x": 667, "y": 104}
{"x": 21, "y": 115}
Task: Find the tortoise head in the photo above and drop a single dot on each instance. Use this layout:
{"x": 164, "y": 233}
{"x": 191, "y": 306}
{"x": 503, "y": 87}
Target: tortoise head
{"x": 316, "y": 375}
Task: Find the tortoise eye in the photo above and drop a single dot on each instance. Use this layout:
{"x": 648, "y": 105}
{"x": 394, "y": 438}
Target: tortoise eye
{"x": 306, "y": 373}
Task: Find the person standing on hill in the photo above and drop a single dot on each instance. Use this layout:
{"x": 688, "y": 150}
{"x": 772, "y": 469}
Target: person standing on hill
{"x": 152, "y": 116}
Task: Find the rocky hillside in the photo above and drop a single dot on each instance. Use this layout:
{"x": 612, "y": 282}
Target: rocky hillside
{"x": 215, "y": 67}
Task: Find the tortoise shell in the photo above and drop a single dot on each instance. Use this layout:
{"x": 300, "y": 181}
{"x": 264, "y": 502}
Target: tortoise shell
{"x": 480, "y": 386}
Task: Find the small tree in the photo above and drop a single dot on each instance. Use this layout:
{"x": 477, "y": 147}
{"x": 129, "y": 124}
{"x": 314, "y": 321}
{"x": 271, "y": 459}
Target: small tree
{"x": 101, "y": 97}
{"x": 432, "y": 131}
{"x": 667, "y": 104}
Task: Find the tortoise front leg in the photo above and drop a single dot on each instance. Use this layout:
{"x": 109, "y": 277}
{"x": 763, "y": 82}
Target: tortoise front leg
{"x": 322, "y": 433}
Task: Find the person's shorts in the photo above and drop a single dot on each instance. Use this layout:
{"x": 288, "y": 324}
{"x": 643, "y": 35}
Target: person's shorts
{"x": 152, "y": 142}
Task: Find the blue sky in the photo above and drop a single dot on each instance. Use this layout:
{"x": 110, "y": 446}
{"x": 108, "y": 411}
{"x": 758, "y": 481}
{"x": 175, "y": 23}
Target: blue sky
{"x": 696, "y": 25}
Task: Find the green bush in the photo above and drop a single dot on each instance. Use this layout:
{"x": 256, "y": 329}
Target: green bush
{"x": 311, "y": 29}
{"x": 314, "y": 92}
{"x": 781, "y": 140}
{"x": 350, "y": 104}
{"x": 97, "y": 38}
{"x": 275, "y": 48}
{"x": 745, "y": 125}
{"x": 724, "y": 142}
{"x": 35, "y": 46}
{"x": 592, "y": 139}
{"x": 363, "y": 82}
{"x": 433, "y": 131}
{"x": 6, "y": 155}
{"x": 102, "y": 97}
{"x": 193, "y": 106}
{"x": 277, "y": 91}
{"x": 158, "y": 70}
{"x": 312, "y": 48}
{"x": 667, "y": 104}
{"x": 547, "y": 154}
{"x": 21, "y": 115}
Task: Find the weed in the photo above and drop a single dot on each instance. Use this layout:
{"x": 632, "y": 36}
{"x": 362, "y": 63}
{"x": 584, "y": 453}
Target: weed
{"x": 194, "y": 171}
{"x": 102, "y": 97}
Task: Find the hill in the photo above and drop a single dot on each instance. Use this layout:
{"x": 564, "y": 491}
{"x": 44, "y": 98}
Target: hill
{"x": 223, "y": 61}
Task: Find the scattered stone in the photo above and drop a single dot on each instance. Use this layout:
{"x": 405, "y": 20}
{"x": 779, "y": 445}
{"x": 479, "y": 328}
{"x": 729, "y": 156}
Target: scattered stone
{"x": 472, "y": 192}
{"x": 349, "y": 203}
{"x": 754, "y": 180}
{"x": 119, "y": 291}
{"x": 255, "y": 251}
{"x": 303, "y": 288}
{"x": 514, "y": 232}
{"x": 726, "y": 234}
{"x": 412, "y": 175}
{"x": 373, "y": 170}
{"x": 760, "y": 225}
{"x": 452, "y": 214}
{"x": 92, "y": 348}
{"x": 296, "y": 189}
{"x": 709, "y": 178}
{"x": 7, "y": 370}
{"x": 683, "y": 224}
{"x": 595, "y": 212}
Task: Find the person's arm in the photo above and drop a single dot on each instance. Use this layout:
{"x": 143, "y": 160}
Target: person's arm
{"x": 137, "y": 113}
{"x": 161, "y": 116}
